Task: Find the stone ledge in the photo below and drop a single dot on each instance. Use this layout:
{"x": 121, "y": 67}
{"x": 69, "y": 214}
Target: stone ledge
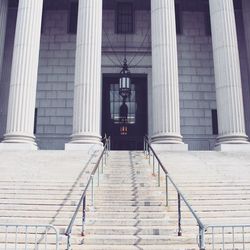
{"x": 17, "y": 147}
{"x": 169, "y": 147}
{"x": 233, "y": 147}
{"x": 82, "y": 147}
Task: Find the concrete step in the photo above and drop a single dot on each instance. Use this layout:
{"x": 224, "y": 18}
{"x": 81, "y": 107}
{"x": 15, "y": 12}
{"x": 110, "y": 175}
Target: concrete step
{"x": 130, "y": 208}
{"x": 129, "y": 230}
{"x": 138, "y": 246}
{"x": 127, "y": 215}
{"x": 142, "y": 240}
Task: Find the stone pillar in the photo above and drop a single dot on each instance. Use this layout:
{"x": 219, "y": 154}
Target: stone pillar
{"x": 3, "y": 21}
{"x": 165, "y": 89}
{"x": 21, "y": 107}
{"x": 87, "y": 89}
{"x": 227, "y": 75}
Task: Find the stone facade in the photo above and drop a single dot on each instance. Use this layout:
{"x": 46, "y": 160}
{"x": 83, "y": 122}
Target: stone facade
{"x": 55, "y": 84}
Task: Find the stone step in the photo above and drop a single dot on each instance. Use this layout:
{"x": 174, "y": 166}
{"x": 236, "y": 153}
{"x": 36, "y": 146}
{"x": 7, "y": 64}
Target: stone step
{"x": 31, "y": 207}
{"x": 130, "y": 208}
{"x": 30, "y": 238}
{"x": 141, "y": 222}
{"x": 133, "y": 191}
{"x": 23, "y": 246}
{"x": 137, "y": 246}
{"x": 142, "y": 240}
{"x": 127, "y": 215}
{"x": 129, "y": 230}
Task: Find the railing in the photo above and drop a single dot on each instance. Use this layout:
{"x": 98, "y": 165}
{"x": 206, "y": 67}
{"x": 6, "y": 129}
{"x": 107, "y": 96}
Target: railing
{"x": 103, "y": 160}
{"x": 148, "y": 150}
{"x": 28, "y": 236}
{"x": 204, "y": 230}
{"x": 228, "y": 236}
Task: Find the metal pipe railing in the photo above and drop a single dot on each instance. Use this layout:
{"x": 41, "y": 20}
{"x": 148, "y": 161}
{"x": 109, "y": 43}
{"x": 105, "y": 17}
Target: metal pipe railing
{"x": 16, "y": 236}
{"x": 231, "y": 233}
{"x": 82, "y": 201}
{"x": 202, "y": 227}
{"x": 180, "y": 197}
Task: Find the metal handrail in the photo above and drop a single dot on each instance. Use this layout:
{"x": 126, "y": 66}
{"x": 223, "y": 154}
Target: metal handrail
{"x": 37, "y": 240}
{"x": 202, "y": 227}
{"x": 82, "y": 200}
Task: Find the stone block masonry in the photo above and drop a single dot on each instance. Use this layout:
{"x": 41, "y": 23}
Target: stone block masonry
{"x": 56, "y": 82}
{"x": 196, "y": 82}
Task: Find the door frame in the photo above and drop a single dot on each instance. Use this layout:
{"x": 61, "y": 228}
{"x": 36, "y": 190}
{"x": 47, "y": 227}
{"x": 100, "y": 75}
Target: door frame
{"x": 103, "y": 101}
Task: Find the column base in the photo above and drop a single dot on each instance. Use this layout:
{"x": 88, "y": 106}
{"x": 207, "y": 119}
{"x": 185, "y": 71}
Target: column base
{"x": 232, "y": 139}
{"x": 166, "y": 139}
{"x": 84, "y": 142}
{"x": 19, "y": 142}
{"x": 226, "y": 147}
{"x": 166, "y": 142}
{"x": 169, "y": 147}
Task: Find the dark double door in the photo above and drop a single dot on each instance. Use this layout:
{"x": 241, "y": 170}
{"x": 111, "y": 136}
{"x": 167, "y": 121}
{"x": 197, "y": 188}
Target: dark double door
{"x": 126, "y": 134}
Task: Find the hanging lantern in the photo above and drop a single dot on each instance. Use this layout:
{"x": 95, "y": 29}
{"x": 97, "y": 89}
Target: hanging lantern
{"x": 125, "y": 81}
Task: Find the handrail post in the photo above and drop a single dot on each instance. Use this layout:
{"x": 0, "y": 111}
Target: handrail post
{"x": 98, "y": 176}
{"x": 179, "y": 215}
{"x": 159, "y": 175}
{"x": 107, "y": 150}
{"x": 149, "y": 155}
{"x": 105, "y": 157}
{"x": 92, "y": 190}
{"x": 166, "y": 176}
{"x": 69, "y": 241}
{"x": 102, "y": 165}
{"x": 201, "y": 237}
{"x": 153, "y": 165}
{"x": 83, "y": 214}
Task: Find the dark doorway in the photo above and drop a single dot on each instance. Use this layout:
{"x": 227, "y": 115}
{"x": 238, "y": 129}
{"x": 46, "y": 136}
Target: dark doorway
{"x": 126, "y": 134}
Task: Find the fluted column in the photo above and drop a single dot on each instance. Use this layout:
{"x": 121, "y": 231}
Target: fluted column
{"x": 87, "y": 89}
{"x": 227, "y": 73}
{"x": 21, "y": 107}
{"x": 3, "y": 20}
{"x": 166, "y": 113}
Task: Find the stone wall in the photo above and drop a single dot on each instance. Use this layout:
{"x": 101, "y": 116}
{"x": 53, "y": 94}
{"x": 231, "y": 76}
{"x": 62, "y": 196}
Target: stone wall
{"x": 196, "y": 82}
{"x": 55, "y": 82}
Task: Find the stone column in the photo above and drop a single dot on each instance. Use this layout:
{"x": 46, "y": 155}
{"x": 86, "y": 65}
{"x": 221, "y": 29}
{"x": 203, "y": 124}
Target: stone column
{"x": 165, "y": 89}
{"x": 3, "y": 21}
{"x": 87, "y": 89}
{"x": 21, "y": 107}
{"x": 227, "y": 75}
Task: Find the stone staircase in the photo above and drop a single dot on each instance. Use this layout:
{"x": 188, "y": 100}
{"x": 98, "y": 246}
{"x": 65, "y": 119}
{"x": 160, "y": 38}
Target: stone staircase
{"x": 130, "y": 211}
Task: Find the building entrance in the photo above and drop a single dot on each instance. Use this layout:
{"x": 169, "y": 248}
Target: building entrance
{"x": 125, "y": 121}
